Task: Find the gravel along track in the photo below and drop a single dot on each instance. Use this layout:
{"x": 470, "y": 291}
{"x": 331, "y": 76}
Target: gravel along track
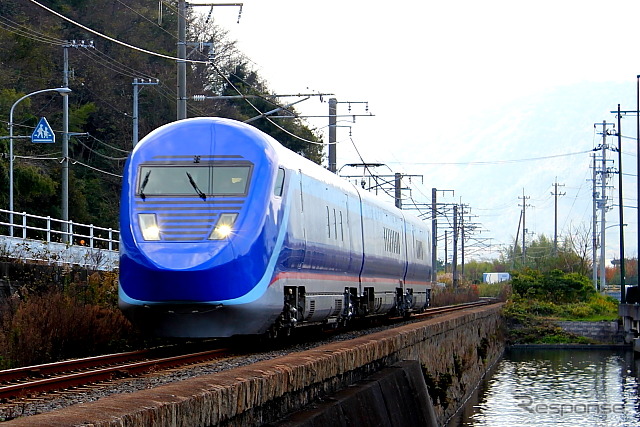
{"x": 245, "y": 355}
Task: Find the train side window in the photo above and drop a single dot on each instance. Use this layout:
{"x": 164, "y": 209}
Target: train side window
{"x": 341, "y": 228}
{"x": 335, "y": 226}
{"x": 277, "y": 190}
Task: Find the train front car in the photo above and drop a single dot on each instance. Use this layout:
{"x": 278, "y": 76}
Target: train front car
{"x": 199, "y": 218}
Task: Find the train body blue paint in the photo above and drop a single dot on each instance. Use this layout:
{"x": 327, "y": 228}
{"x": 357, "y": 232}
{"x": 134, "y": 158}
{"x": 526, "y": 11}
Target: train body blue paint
{"x": 226, "y": 232}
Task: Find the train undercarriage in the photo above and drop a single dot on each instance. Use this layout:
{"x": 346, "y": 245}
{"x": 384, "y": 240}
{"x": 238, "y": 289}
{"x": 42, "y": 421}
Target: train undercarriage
{"x": 335, "y": 311}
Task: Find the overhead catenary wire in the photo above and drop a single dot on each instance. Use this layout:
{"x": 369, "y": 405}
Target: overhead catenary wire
{"x": 496, "y": 162}
{"x": 173, "y": 58}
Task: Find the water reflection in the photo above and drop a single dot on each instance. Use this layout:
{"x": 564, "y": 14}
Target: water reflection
{"x": 546, "y": 387}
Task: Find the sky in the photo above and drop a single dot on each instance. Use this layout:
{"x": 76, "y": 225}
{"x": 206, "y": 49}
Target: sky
{"x": 516, "y": 86}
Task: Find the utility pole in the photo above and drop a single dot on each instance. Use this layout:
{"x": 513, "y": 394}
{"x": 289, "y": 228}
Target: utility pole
{"x": 620, "y": 211}
{"x": 602, "y": 201}
{"x": 515, "y": 243}
{"x": 462, "y": 239}
{"x": 524, "y": 225}
{"x": 65, "y": 135}
{"x": 555, "y": 223}
{"x": 136, "y": 90}
{"x": 446, "y": 249}
{"x": 434, "y": 234}
{"x": 333, "y": 104}
{"x": 333, "y": 116}
{"x": 181, "y": 84}
{"x": 398, "y": 190}
{"x": 594, "y": 239}
{"x": 464, "y": 228}
{"x": 181, "y": 107}
{"x": 65, "y": 150}
{"x": 455, "y": 247}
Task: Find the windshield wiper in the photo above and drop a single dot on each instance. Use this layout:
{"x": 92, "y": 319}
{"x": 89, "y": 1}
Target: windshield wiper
{"x": 144, "y": 184}
{"x": 195, "y": 187}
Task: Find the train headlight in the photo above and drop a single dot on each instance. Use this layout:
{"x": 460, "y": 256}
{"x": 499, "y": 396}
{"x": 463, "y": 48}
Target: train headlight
{"x": 224, "y": 226}
{"x": 149, "y": 226}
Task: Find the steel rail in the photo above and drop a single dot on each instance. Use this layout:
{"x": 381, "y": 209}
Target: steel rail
{"x": 68, "y": 380}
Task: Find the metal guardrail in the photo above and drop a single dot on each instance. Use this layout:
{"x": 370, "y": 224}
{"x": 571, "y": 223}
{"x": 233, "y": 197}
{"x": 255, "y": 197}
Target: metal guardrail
{"x": 38, "y": 238}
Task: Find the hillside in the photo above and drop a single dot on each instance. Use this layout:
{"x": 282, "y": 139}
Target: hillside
{"x": 33, "y": 45}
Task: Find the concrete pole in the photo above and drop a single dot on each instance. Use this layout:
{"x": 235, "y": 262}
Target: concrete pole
{"x": 555, "y": 218}
{"x": 446, "y": 250}
{"x": 594, "y": 240}
{"x": 65, "y": 151}
{"x": 455, "y": 247}
{"x": 621, "y": 210}
{"x": 398, "y": 190}
{"x": 524, "y": 228}
{"x": 434, "y": 236}
{"x": 135, "y": 111}
{"x": 182, "y": 64}
{"x": 603, "y": 206}
{"x": 462, "y": 241}
{"x": 333, "y": 104}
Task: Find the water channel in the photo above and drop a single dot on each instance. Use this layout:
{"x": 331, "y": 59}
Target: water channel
{"x": 557, "y": 387}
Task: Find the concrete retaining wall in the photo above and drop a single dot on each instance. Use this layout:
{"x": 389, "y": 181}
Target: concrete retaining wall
{"x": 606, "y": 332}
{"x": 395, "y": 396}
{"x": 454, "y": 352}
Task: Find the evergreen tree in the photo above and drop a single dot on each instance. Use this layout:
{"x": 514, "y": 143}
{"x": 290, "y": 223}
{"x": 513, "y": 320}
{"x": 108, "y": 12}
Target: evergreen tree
{"x": 101, "y": 77}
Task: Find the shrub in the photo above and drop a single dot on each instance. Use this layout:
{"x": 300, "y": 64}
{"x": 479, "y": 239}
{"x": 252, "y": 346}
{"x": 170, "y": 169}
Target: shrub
{"x": 501, "y": 290}
{"x": 60, "y": 312}
{"x": 554, "y": 285}
{"x": 580, "y": 311}
{"x": 54, "y": 326}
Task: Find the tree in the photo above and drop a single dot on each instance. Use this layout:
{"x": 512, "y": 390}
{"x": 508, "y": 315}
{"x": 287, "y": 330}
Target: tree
{"x": 540, "y": 254}
{"x": 102, "y": 99}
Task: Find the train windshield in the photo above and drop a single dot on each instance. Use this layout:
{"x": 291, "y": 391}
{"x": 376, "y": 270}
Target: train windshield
{"x": 205, "y": 180}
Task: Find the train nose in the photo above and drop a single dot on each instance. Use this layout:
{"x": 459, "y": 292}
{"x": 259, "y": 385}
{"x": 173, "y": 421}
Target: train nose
{"x": 184, "y": 256}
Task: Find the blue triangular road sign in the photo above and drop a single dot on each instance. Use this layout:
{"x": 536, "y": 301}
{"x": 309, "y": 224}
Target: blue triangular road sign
{"x": 43, "y": 132}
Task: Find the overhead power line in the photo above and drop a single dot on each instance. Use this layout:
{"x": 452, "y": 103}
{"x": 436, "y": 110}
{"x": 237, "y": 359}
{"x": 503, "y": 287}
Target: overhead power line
{"x": 121, "y": 43}
{"x": 495, "y": 162}
{"x": 172, "y": 58}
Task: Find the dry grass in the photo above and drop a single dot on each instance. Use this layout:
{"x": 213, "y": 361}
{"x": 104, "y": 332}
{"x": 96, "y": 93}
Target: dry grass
{"x": 58, "y": 314}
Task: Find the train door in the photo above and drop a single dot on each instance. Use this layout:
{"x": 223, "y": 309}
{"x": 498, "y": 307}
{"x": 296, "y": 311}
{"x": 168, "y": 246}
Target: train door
{"x": 300, "y": 227}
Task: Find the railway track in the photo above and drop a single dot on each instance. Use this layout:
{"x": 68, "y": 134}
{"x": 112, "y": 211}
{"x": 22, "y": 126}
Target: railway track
{"x": 34, "y": 380}
{"x": 441, "y": 310}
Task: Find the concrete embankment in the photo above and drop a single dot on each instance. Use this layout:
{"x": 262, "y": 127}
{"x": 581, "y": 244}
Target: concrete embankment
{"x": 453, "y": 352}
{"x": 605, "y": 332}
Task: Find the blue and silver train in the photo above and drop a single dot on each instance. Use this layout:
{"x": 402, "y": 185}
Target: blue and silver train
{"x": 226, "y": 232}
